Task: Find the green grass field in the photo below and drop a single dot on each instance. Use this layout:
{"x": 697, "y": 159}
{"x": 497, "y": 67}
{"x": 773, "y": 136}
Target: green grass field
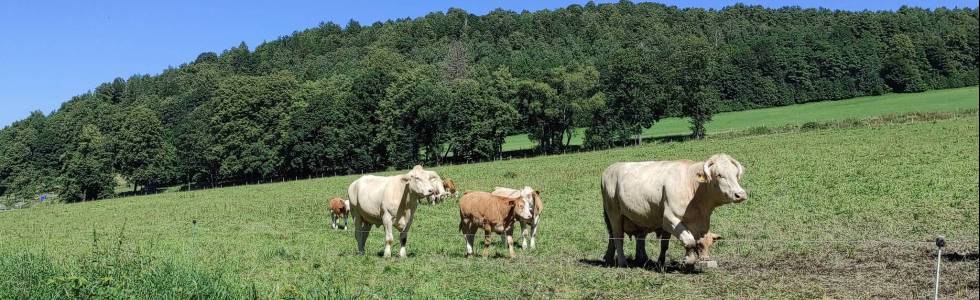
{"x": 931, "y": 101}
{"x": 820, "y": 204}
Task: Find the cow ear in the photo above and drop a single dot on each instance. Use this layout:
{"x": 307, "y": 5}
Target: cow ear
{"x": 405, "y": 178}
{"x": 741, "y": 169}
{"x": 705, "y": 174}
{"x": 537, "y": 192}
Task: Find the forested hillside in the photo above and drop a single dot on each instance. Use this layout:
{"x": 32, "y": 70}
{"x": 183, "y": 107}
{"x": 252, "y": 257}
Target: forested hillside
{"x": 355, "y": 98}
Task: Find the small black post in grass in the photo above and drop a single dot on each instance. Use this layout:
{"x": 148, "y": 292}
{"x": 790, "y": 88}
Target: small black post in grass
{"x": 940, "y": 243}
{"x": 193, "y": 235}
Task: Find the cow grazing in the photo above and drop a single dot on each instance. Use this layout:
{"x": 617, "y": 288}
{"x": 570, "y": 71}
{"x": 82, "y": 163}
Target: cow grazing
{"x": 450, "y": 187}
{"x": 493, "y": 214}
{"x": 390, "y": 202}
{"x": 339, "y": 208}
{"x": 529, "y": 227}
{"x": 668, "y": 198}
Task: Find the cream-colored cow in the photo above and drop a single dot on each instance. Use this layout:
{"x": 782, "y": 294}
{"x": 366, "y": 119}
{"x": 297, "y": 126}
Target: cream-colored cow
{"x": 668, "y": 198}
{"x": 390, "y": 202}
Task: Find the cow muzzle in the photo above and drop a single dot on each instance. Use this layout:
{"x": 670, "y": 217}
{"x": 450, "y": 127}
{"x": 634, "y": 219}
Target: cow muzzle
{"x": 740, "y": 196}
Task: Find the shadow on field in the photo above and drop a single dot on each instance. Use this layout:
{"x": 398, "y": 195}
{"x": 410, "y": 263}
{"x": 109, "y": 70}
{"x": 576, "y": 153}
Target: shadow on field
{"x": 649, "y": 265}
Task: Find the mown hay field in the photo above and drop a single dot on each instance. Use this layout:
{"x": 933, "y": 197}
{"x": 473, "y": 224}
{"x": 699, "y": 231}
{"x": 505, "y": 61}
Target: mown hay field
{"x": 842, "y": 213}
{"x": 823, "y": 111}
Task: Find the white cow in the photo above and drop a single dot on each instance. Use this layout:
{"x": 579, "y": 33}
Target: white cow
{"x": 669, "y": 198}
{"x": 390, "y": 202}
{"x": 531, "y": 223}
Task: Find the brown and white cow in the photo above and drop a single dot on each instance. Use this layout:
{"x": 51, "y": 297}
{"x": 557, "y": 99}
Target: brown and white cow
{"x": 339, "y": 209}
{"x": 529, "y": 227}
{"x": 493, "y": 214}
{"x": 450, "y": 187}
{"x": 390, "y": 202}
{"x": 668, "y": 198}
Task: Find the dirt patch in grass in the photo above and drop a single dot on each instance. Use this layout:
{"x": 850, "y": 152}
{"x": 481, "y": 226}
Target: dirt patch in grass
{"x": 886, "y": 271}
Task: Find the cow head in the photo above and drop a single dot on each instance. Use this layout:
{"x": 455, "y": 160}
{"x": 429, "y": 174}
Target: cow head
{"x": 441, "y": 192}
{"x": 425, "y": 183}
{"x": 450, "y": 187}
{"x": 523, "y": 208}
{"x": 724, "y": 172}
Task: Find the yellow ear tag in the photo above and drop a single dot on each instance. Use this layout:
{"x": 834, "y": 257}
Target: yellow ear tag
{"x": 702, "y": 178}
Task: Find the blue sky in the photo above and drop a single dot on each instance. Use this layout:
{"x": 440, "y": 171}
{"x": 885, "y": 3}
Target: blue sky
{"x": 53, "y": 50}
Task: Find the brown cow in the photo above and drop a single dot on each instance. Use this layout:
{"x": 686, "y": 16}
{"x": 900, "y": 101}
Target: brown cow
{"x": 450, "y": 186}
{"x": 493, "y": 214}
{"x": 339, "y": 209}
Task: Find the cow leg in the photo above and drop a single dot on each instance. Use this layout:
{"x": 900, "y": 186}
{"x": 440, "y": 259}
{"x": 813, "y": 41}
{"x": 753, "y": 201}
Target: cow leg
{"x": 664, "y": 243}
{"x": 524, "y": 235}
{"x": 387, "y": 221}
{"x": 333, "y": 221}
{"x": 507, "y": 233}
{"x": 641, "y": 248}
{"x": 690, "y": 244}
{"x": 534, "y": 231}
{"x": 361, "y": 233}
{"x": 486, "y": 241}
{"x": 469, "y": 234}
{"x": 345, "y": 222}
{"x": 510, "y": 246}
{"x": 614, "y": 225}
{"x": 403, "y": 239}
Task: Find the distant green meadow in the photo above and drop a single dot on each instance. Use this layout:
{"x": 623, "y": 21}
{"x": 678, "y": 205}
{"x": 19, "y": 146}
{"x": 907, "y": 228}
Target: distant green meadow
{"x": 846, "y": 212}
{"x": 931, "y": 101}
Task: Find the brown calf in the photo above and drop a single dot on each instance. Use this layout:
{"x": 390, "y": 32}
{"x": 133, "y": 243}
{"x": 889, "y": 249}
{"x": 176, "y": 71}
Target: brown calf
{"x": 339, "y": 209}
{"x": 492, "y": 214}
{"x": 450, "y": 186}
{"x": 704, "y": 245}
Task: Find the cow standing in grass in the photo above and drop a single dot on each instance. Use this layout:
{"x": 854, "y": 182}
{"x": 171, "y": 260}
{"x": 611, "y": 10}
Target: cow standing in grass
{"x": 390, "y": 202}
{"x": 529, "y": 226}
{"x": 339, "y": 209}
{"x": 668, "y": 198}
{"x": 482, "y": 210}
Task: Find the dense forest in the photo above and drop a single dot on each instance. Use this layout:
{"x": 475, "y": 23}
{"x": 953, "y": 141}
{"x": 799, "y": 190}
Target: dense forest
{"x": 339, "y": 99}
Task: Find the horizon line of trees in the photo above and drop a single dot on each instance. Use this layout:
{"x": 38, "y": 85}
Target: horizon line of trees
{"x": 452, "y": 85}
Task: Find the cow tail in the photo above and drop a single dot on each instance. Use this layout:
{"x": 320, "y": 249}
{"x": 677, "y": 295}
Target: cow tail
{"x": 460, "y": 220}
{"x": 351, "y": 198}
{"x": 605, "y": 218}
{"x": 605, "y": 208}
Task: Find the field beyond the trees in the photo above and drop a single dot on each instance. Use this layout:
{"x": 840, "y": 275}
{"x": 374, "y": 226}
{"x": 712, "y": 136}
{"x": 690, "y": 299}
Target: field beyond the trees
{"x": 840, "y": 213}
{"x": 861, "y": 107}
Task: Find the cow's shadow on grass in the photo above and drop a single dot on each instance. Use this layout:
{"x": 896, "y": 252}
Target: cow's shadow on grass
{"x": 649, "y": 265}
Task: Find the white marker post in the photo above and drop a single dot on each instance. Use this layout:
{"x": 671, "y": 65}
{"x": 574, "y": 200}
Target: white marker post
{"x": 940, "y": 243}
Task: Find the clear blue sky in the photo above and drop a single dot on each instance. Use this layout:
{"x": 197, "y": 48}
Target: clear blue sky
{"x": 53, "y": 50}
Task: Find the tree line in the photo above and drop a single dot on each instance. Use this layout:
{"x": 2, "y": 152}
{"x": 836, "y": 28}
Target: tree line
{"x": 341, "y": 99}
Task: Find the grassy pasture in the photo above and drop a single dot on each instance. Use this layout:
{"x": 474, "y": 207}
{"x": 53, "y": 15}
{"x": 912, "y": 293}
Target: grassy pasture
{"x": 856, "y": 186}
{"x": 861, "y": 107}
